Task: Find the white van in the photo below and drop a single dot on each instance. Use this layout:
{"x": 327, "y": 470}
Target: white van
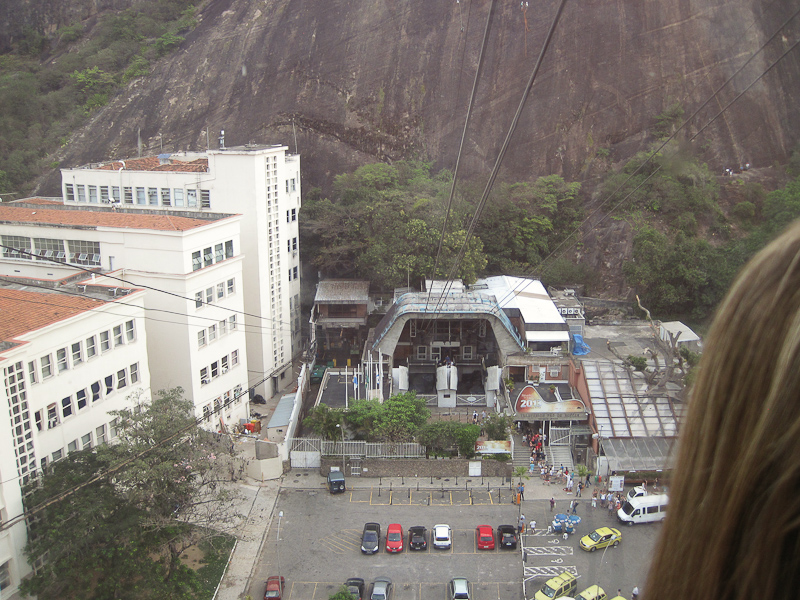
{"x": 644, "y": 509}
{"x": 637, "y": 492}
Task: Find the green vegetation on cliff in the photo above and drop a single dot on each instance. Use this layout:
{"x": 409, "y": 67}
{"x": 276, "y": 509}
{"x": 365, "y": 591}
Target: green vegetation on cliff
{"x": 49, "y": 86}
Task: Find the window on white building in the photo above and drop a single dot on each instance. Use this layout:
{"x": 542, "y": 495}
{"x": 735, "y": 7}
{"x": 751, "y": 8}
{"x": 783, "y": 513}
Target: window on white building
{"x": 165, "y": 197}
{"x": 177, "y": 195}
{"x": 231, "y": 286}
{"x": 234, "y": 358}
{"x": 197, "y": 261}
{"x": 212, "y": 333}
{"x": 69, "y": 192}
{"x": 294, "y": 214}
{"x": 93, "y": 193}
{"x": 66, "y": 406}
{"x": 113, "y": 428}
{"x": 218, "y": 253}
{"x": 122, "y": 379}
{"x": 118, "y": 339}
{"x": 224, "y": 364}
{"x": 33, "y": 374}
{"x": 128, "y": 192}
{"x": 232, "y": 322}
{"x": 77, "y": 353}
{"x": 96, "y": 391}
{"x": 294, "y": 272}
{"x": 229, "y": 249}
{"x": 105, "y": 341}
{"x": 130, "y": 332}
{"x": 91, "y": 347}
{"x": 72, "y": 446}
{"x": 204, "y": 376}
{"x": 86, "y": 441}
{"x": 191, "y": 198}
{"x": 52, "y": 416}
{"x": 57, "y": 455}
{"x": 215, "y": 369}
{"x": 140, "y": 197}
{"x": 198, "y": 299}
{"x": 100, "y": 434}
{"x": 134, "y": 373}
{"x": 104, "y": 197}
{"x": 201, "y": 338}
{"x": 109, "y": 383}
{"x": 209, "y": 295}
{"x": 221, "y": 290}
{"x": 207, "y": 412}
{"x": 115, "y": 195}
{"x": 61, "y": 359}
{"x": 223, "y": 327}
{"x": 80, "y": 399}
{"x": 205, "y": 199}
{"x": 152, "y": 196}
{"x": 208, "y": 257}
{"x": 81, "y": 189}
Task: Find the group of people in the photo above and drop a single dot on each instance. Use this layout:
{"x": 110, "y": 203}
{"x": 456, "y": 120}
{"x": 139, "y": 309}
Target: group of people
{"x": 478, "y": 419}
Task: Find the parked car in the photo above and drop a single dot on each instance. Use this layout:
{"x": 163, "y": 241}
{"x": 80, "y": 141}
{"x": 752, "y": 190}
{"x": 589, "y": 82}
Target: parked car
{"x": 442, "y": 536}
{"x": 558, "y": 586}
{"x": 484, "y": 537}
{"x": 370, "y": 538}
{"x": 458, "y": 588}
{"x": 593, "y": 592}
{"x": 417, "y": 538}
{"x": 336, "y": 482}
{"x": 275, "y": 585}
{"x": 394, "y": 538}
{"x": 507, "y": 536}
{"x": 381, "y": 589}
{"x": 601, "y": 538}
{"x": 355, "y": 585}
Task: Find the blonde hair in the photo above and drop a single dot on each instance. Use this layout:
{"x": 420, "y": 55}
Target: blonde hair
{"x": 734, "y": 510}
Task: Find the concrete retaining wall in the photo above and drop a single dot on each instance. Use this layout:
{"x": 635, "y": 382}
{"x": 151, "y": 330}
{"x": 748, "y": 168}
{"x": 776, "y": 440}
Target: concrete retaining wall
{"x": 419, "y": 467}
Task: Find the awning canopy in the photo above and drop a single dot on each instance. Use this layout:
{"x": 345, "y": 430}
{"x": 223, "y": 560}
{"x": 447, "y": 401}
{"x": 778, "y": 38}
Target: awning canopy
{"x": 639, "y": 454}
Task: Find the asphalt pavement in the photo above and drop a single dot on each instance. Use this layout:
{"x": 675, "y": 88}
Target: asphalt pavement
{"x": 259, "y": 502}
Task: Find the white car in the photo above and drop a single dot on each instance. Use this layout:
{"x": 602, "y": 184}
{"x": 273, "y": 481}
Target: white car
{"x": 442, "y": 536}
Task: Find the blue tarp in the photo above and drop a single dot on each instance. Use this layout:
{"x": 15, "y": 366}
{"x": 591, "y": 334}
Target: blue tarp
{"x": 580, "y": 348}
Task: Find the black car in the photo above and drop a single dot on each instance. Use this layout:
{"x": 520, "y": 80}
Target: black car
{"x": 336, "y": 482}
{"x": 355, "y": 585}
{"x": 507, "y": 536}
{"x": 370, "y": 539}
{"x": 417, "y": 538}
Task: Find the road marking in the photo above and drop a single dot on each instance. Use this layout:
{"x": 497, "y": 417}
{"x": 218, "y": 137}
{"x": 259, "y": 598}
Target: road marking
{"x": 534, "y": 572}
{"x": 549, "y": 550}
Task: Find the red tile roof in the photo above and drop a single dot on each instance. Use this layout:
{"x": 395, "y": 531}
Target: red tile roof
{"x": 153, "y": 163}
{"x": 23, "y": 311}
{"x": 165, "y": 222}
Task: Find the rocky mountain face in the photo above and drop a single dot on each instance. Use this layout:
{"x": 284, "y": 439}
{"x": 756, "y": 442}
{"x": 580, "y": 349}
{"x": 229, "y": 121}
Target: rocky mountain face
{"x": 346, "y": 83}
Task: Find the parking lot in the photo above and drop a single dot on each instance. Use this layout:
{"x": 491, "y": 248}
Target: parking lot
{"x": 318, "y": 545}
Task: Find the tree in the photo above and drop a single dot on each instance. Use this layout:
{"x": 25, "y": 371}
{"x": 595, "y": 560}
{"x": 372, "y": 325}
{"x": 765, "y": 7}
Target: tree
{"x": 396, "y": 420}
{"x": 165, "y": 486}
{"x": 496, "y": 426}
{"x": 325, "y": 421}
{"x": 342, "y": 594}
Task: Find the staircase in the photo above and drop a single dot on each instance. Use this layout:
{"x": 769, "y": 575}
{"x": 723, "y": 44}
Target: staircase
{"x": 522, "y": 454}
{"x": 559, "y": 456}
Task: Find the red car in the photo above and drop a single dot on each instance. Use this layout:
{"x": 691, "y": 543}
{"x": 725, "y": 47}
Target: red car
{"x": 275, "y": 585}
{"x": 394, "y": 538}
{"x": 484, "y": 537}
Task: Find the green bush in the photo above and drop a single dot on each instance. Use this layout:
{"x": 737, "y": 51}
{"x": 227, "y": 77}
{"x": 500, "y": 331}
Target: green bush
{"x": 744, "y": 211}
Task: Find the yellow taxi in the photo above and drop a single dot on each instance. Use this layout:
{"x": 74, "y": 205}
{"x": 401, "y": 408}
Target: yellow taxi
{"x": 558, "y": 586}
{"x": 601, "y": 538}
{"x": 593, "y": 592}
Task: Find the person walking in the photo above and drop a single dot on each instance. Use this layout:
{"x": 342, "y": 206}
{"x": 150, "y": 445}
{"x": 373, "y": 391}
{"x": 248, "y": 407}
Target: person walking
{"x": 580, "y": 487}
{"x": 575, "y": 507}
{"x": 532, "y": 527}
{"x": 552, "y": 504}
{"x": 522, "y": 491}
{"x": 635, "y": 592}
{"x": 521, "y": 525}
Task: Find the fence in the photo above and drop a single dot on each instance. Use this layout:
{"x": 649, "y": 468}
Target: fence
{"x": 359, "y": 448}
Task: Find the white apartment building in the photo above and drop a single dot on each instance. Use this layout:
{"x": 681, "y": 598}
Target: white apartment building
{"x": 262, "y": 183}
{"x": 68, "y": 359}
{"x": 190, "y": 268}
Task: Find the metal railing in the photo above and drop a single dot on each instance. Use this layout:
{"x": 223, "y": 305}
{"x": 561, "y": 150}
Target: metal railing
{"x": 359, "y": 448}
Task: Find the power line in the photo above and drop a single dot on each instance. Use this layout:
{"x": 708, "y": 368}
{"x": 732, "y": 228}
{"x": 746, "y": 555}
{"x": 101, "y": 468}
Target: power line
{"x": 558, "y": 249}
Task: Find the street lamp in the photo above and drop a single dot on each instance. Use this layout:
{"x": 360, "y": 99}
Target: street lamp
{"x": 342, "y": 428}
{"x": 277, "y": 547}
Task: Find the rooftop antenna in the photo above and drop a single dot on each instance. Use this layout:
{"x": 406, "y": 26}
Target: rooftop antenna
{"x": 222, "y": 139}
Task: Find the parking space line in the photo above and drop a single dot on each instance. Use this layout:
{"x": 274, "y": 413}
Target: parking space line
{"x": 351, "y": 498}
{"x": 399, "y": 499}
{"x": 373, "y": 502}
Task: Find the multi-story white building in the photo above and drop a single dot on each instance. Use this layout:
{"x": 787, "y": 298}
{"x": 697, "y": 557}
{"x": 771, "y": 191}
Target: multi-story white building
{"x": 262, "y": 183}
{"x": 69, "y": 357}
{"x": 190, "y": 267}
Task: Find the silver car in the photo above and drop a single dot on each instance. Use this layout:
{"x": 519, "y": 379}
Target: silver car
{"x": 381, "y": 589}
{"x": 459, "y": 588}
